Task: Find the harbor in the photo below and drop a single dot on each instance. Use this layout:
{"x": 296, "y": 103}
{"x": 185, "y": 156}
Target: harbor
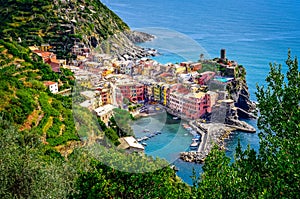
{"x": 203, "y": 135}
{"x": 176, "y": 136}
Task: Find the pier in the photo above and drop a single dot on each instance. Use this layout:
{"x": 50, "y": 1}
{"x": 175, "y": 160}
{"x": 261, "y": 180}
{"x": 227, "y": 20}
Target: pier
{"x": 211, "y": 133}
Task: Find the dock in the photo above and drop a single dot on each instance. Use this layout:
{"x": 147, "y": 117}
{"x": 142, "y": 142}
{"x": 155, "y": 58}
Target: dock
{"x": 210, "y": 133}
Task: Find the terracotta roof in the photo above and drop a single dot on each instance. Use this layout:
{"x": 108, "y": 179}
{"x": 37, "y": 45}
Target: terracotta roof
{"x": 48, "y": 83}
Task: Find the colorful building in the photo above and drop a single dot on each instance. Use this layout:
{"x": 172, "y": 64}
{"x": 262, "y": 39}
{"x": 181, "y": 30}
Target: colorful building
{"x": 157, "y": 91}
{"x": 105, "y": 113}
{"x": 164, "y": 94}
{"x": 130, "y": 89}
{"x": 105, "y": 93}
{"x": 204, "y": 77}
{"x": 49, "y": 58}
{"x": 190, "y": 105}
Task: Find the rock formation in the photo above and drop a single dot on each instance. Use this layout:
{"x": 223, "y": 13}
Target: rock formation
{"x": 238, "y": 91}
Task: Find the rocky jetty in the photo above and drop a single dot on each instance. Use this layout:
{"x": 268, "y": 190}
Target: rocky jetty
{"x": 193, "y": 156}
{"x": 212, "y": 133}
{"x": 240, "y": 125}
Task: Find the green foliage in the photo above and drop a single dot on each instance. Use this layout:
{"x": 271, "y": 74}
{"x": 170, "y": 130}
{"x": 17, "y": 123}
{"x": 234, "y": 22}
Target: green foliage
{"x": 112, "y": 174}
{"x": 36, "y": 22}
{"x": 273, "y": 173}
{"x": 27, "y": 170}
{"x": 112, "y": 136}
{"x": 23, "y": 93}
{"x": 86, "y": 123}
{"x": 21, "y": 106}
{"x": 218, "y": 179}
{"x": 121, "y": 122}
{"x": 279, "y": 123}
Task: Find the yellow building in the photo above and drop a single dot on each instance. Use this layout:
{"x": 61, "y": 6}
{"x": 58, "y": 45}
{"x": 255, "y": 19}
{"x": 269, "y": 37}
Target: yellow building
{"x": 165, "y": 94}
{"x": 180, "y": 69}
{"x": 156, "y": 92}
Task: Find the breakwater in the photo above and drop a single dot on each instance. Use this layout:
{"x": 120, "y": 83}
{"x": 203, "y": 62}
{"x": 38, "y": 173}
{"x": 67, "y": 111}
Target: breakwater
{"x": 211, "y": 134}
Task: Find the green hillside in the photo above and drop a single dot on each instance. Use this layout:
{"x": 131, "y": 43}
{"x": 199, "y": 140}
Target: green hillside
{"x": 27, "y": 102}
{"x": 35, "y": 124}
{"x": 59, "y": 23}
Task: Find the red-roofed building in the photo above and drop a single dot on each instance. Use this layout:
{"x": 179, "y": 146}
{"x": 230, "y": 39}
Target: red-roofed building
{"x": 49, "y": 58}
{"x": 53, "y": 86}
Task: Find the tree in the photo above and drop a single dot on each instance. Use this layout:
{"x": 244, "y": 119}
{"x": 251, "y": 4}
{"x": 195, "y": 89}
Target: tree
{"x": 140, "y": 177}
{"x": 279, "y": 106}
{"x": 121, "y": 122}
{"x": 25, "y": 169}
{"x": 274, "y": 172}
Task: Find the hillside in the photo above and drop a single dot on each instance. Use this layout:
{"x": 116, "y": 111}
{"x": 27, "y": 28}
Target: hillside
{"x": 28, "y": 103}
{"x": 62, "y": 24}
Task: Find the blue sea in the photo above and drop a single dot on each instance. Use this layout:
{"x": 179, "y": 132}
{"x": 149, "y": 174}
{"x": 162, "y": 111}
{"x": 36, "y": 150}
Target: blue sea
{"x": 254, "y": 33}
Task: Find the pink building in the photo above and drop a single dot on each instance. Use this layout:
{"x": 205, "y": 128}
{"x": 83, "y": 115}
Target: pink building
{"x": 190, "y": 105}
{"x": 196, "y": 105}
{"x": 131, "y": 90}
{"x": 204, "y": 77}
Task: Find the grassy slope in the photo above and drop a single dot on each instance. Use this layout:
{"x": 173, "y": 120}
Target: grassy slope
{"x": 59, "y": 23}
{"x": 27, "y": 102}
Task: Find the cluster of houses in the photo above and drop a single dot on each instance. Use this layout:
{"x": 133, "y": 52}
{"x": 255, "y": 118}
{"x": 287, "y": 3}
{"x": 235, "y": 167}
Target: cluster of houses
{"x": 182, "y": 88}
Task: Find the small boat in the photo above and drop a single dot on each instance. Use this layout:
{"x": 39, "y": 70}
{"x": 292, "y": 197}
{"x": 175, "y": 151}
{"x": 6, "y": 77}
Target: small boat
{"x": 151, "y": 135}
{"x": 194, "y": 144}
{"x": 146, "y": 130}
{"x": 175, "y": 118}
{"x": 189, "y": 128}
{"x": 174, "y": 167}
{"x": 197, "y": 137}
{"x": 144, "y": 138}
{"x": 144, "y": 144}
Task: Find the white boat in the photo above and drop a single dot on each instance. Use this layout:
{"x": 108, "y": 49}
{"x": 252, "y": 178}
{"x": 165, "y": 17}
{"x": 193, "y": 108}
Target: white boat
{"x": 144, "y": 144}
{"x": 144, "y": 138}
{"x": 194, "y": 144}
{"x": 175, "y": 118}
{"x": 174, "y": 167}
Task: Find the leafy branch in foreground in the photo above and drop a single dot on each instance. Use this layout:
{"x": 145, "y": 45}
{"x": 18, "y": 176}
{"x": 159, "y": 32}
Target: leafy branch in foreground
{"x": 273, "y": 173}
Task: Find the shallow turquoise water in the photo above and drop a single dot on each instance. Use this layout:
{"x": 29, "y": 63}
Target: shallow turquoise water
{"x": 167, "y": 145}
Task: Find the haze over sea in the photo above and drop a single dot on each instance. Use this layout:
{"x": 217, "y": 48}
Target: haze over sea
{"x": 254, "y": 33}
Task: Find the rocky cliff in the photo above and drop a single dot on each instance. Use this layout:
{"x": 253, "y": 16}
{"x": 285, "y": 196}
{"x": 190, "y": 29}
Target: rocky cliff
{"x": 238, "y": 91}
{"x": 64, "y": 23}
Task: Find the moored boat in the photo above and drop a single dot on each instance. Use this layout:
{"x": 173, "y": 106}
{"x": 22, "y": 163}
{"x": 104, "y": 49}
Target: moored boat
{"x": 194, "y": 144}
{"x": 144, "y": 144}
